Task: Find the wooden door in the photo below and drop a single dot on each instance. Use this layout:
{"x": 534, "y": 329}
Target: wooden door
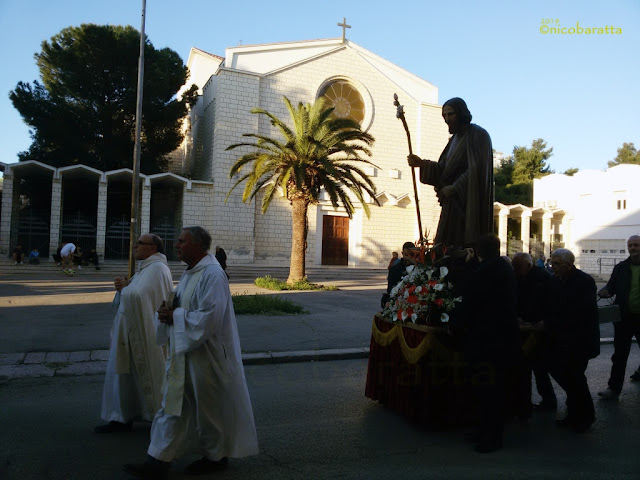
{"x": 335, "y": 240}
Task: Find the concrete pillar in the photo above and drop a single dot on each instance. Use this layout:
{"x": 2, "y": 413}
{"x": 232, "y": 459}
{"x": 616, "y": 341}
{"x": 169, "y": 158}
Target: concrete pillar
{"x": 546, "y": 233}
{"x": 7, "y": 207}
{"x": 502, "y": 230}
{"x": 525, "y": 230}
{"x": 566, "y": 233}
{"x": 56, "y": 214}
{"x": 101, "y": 220}
{"x": 145, "y": 209}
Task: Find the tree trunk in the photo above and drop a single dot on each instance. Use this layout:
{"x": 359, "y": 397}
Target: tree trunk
{"x": 299, "y": 206}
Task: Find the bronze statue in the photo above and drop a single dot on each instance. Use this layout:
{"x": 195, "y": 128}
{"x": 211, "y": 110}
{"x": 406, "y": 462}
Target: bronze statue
{"x": 462, "y": 178}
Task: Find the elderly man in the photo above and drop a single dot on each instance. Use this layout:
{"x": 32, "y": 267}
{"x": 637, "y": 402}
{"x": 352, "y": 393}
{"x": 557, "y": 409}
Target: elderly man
{"x": 133, "y": 381}
{"x": 625, "y": 285}
{"x": 462, "y": 178}
{"x": 206, "y": 406}
{"x": 574, "y": 334}
{"x": 533, "y": 291}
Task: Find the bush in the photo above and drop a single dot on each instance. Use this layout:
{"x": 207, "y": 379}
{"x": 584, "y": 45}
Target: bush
{"x": 272, "y": 283}
{"x": 264, "y": 305}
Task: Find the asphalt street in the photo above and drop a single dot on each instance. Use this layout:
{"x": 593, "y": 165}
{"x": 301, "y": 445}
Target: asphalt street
{"x": 314, "y": 422}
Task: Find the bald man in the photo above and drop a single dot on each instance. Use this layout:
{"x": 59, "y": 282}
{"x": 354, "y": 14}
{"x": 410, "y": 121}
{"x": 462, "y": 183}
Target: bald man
{"x": 625, "y": 285}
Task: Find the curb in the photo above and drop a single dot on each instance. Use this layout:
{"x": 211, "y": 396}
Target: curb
{"x": 61, "y": 364}
{"x": 69, "y": 364}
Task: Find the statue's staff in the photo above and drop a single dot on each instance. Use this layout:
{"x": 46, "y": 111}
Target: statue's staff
{"x": 400, "y": 115}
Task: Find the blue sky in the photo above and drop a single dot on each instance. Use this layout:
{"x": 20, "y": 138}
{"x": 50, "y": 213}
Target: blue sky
{"x": 580, "y": 93}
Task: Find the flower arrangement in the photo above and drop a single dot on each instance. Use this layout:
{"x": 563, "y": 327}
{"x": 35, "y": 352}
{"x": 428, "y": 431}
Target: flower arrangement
{"x": 422, "y": 296}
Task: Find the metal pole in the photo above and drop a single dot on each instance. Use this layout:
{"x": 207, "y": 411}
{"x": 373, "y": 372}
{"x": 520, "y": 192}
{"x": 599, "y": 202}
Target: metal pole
{"x": 135, "y": 204}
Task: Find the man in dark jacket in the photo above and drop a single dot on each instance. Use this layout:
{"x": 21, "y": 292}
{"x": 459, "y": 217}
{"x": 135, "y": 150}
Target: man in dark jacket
{"x": 534, "y": 283}
{"x": 625, "y": 285}
{"x": 574, "y": 334}
{"x": 492, "y": 345}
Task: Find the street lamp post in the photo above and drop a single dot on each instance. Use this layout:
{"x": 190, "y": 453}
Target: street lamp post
{"x": 135, "y": 203}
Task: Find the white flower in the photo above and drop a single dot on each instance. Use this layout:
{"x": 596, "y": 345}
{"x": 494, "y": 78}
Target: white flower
{"x": 418, "y": 288}
{"x": 404, "y": 315}
{"x": 458, "y": 299}
{"x": 444, "y": 318}
{"x": 438, "y": 287}
{"x": 429, "y": 273}
{"x": 414, "y": 317}
{"x": 406, "y": 294}
{"x": 443, "y": 272}
{"x": 410, "y": 268}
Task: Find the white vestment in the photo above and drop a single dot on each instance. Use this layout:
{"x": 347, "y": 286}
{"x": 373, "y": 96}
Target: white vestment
{"x": 133, "y": 381}
{"x": 212, "y": 413}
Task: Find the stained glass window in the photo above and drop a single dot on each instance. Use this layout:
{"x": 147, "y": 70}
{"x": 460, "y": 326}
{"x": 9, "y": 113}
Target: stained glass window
{"x": 346, "y": 100}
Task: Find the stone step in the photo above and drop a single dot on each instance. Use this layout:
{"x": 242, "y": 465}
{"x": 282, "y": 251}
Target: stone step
{"x": 236, "y": 272}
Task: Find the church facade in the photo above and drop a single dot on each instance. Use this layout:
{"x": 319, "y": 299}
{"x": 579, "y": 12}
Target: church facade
{"x": 360, "y": 84}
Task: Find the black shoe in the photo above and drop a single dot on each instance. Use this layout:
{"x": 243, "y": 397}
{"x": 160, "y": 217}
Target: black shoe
{"x": 545, "y": 406}
{"x": 473, "y": 436}
{"x": 583, "y": 425}
{"x": 488, "y": 446}
{"x": 565, "y": 422}
{"x": 204, "y": 466}
{"x": 114, "y": 427}
{"x": 148, "y": 470}
{"x": 635, "y": 376}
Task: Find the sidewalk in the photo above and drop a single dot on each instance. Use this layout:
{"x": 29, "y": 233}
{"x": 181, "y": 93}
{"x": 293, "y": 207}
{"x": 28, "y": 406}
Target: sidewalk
{"x": 338, "y": 325}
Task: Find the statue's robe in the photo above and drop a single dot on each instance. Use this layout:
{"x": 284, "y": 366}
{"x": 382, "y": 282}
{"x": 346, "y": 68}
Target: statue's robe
{"x": 467, "y": 164}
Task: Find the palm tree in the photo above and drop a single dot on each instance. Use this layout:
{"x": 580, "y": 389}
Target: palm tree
{"x": 320, "y": 152}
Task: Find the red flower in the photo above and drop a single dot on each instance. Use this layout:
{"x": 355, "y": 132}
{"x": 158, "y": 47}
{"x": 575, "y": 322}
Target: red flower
{"x": 399, "y": 314}
{"x": 439, "y": 302}
{"x": 412, "y": 299}
{"x": 432, "y": 283}
{"x": 412, "y": 288}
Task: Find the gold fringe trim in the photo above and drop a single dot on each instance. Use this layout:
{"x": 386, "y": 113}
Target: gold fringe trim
{"x": 411, "y": 355}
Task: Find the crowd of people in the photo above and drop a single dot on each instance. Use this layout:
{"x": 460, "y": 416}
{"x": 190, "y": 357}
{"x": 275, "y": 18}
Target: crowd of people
{"x": 552, "y": 296}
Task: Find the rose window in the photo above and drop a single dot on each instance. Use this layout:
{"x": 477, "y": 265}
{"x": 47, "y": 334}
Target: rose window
{"x": 346, "y": 100}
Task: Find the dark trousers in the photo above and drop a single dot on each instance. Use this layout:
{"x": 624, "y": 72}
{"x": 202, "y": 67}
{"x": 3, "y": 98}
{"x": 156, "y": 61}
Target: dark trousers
{"x": 568, "y": 370}
{"x": 489, "y": 392}
{"x": 623, "y": 333}
{"x": 543, "y": 382}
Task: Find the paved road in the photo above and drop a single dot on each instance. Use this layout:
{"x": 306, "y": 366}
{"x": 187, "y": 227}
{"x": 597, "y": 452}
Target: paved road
{"x": 314, "y": 422}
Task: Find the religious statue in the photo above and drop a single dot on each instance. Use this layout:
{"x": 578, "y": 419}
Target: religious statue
{"x": 462, "y": 178}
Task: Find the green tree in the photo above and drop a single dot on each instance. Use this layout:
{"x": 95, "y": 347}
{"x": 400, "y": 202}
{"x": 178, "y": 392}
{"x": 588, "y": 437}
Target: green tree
{"x": 514, "y": 177}
{"x": 506, "y": 191}
{"x": 626, "y": 154}
{"x": 83, "y": 110}
{"x": 570, "y": 172}
{"x": 319, "y": 152}
{"x": 530, "y": 163}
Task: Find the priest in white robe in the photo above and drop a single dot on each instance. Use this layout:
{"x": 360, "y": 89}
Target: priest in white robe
{"x": 206, "y": 407}
{"x": 135, "y": 370}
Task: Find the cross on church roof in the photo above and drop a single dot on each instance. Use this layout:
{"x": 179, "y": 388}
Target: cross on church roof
{"x": 344, "y": 27}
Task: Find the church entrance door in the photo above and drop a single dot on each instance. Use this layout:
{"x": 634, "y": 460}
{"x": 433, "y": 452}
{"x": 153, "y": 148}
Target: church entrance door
{"x": 335, "y": 240}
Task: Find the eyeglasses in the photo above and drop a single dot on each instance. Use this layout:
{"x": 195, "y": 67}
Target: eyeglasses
{"x": 144, "y": 243}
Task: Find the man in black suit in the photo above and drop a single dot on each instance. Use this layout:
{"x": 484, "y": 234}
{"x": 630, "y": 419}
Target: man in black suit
{"x": 492, "y": 344}
{"x": 533, "y": 293}
{"x": 625, "y": 285}
{"x": 574, "y": 334}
